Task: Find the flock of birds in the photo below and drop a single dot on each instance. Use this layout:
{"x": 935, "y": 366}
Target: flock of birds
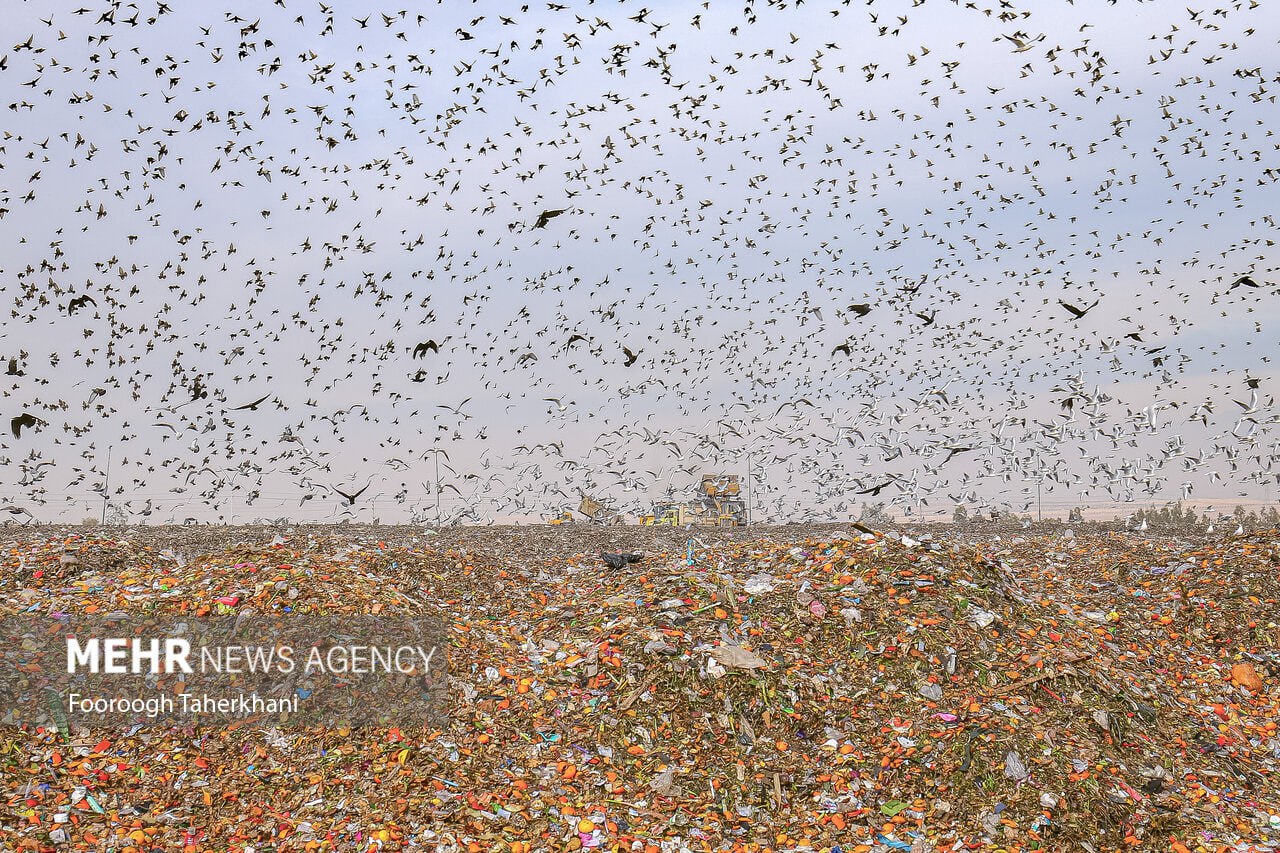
{"x": 468, "y": 263}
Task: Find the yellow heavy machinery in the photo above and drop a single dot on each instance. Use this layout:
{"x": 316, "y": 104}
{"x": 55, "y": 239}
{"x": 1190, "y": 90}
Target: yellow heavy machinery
{"x": 719, "y": 504}
{"x": 722, "y": 500}
{"x": 598, "y": 513}
{"x": 668, "y": 514}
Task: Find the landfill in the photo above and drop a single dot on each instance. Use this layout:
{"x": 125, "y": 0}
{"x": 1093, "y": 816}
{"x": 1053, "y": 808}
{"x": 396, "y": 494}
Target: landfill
{"x": 798, "y": 688}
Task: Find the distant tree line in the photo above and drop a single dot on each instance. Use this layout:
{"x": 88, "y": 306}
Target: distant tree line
{"x": 1174, "y": 516}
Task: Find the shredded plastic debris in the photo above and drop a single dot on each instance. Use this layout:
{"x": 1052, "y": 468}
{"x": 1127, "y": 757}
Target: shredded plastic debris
{"x": 953, "y": 693}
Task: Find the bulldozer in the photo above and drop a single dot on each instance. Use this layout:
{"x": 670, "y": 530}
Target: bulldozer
{"x": 722, "y": 500}
{"x": 597, "y": 512}
{"x": 719, "y": 504}
{"x": 668, "y": 514}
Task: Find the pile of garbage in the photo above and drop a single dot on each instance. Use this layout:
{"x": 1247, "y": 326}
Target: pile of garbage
{"x": 845, "y": 691}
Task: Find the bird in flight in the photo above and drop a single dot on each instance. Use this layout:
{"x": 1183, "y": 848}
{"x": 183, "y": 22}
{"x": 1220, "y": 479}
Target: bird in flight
{"x": 561, "y": 407}
{"x": 546, "y": 216}
{"x": 350, "y": 497}
{"x": 1077, "y": 312}
{"x": 252, "y": 407}
{"x": 26, "y": 420}
{"x": 875, "y": 490}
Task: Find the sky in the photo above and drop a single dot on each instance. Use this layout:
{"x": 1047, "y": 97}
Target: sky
{"x": 925, "y": 253}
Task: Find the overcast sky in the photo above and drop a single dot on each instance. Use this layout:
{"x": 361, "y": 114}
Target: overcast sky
{"x": 250, "y": 201}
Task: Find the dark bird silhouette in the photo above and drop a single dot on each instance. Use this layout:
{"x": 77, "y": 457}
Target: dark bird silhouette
{"x": 79, "y": 302}
{"x": 351, "y": 498}
{"x": 252, "y": 407}
{"x": 546, "y": 216}
{"x": 425, "y": 347}
{"x": 26, "y": 420}
{"x": 1077, "y": 313}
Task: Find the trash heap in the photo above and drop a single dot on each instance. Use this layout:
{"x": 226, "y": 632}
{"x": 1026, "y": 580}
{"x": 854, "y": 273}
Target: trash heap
{"x": 843, "y": 692}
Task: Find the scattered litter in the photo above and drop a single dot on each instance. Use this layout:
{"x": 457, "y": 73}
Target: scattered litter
{"x": 736, "y": 657}
{"x": 665, "y": 705}
{"x": 1014, "y": 768}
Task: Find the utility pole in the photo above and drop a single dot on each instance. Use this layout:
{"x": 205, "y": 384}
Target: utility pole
{"x": 106, "y": 486}
{"x": 436, "y": 451}
{"x": 228, "y": 477}
{"x": 1039, "y": 484}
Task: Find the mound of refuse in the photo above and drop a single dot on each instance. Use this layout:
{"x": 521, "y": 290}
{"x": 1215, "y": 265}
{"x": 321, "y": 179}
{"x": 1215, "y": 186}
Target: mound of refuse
{"x": 849, "y": 691}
